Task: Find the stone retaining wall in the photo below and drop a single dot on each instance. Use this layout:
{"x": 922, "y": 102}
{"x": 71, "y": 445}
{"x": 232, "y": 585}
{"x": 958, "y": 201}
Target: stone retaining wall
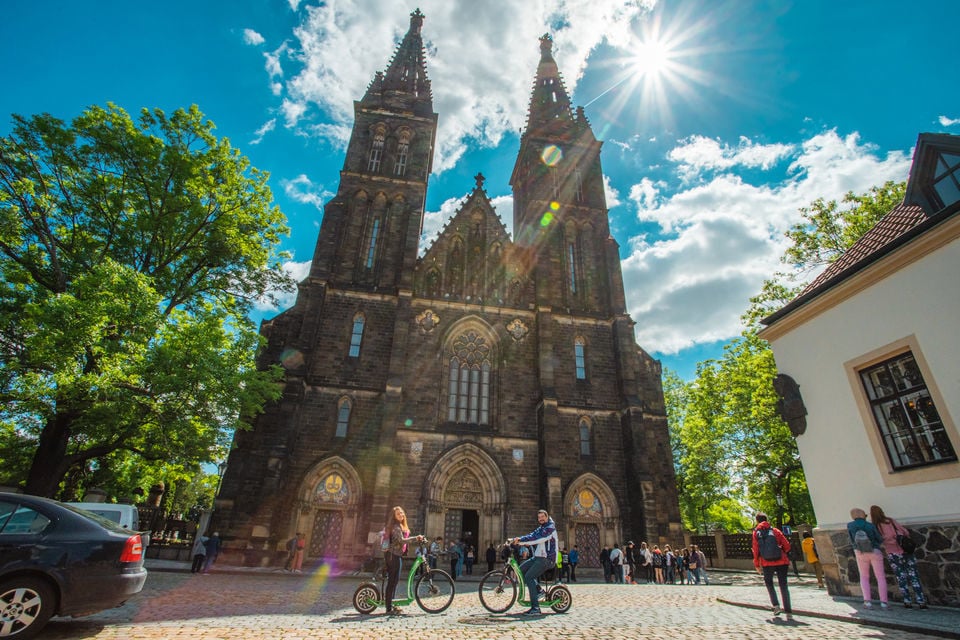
{"x": 938, "y": 563}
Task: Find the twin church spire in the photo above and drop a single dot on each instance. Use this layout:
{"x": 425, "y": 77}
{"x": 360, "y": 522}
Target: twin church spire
{"x": 405, "y": 82}
{"x": 370, "y": 233}
{"x": 549, "y": 102}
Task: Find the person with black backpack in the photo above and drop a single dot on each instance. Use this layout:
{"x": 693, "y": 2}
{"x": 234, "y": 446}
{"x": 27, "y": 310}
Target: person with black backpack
{"x": 770, "y": 549}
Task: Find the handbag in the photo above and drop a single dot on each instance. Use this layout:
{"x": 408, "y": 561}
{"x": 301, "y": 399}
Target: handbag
{"x": 903, "y": 539}
{"x": 906, "y": 543}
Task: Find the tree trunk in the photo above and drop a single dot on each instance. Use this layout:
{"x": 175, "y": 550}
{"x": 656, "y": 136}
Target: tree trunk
{"x": 50, "y": 461}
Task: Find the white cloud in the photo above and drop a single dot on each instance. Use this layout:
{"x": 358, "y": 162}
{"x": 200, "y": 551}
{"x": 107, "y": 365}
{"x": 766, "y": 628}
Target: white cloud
{"x": 294, "y": 4}
{"x": 272, "y": 61}
{"x": 723, "y": 237}
{"x": 948, "y": 122}
{"x": 611, "y": 193}
{"x": 267, "y": 127}
{"x": 252, "y": 37}
{"x": 480, "y": 101}
{"x": 302, "y": 189}
{"x": 292, "y": 110}
{"x": 698, "y": 154}
{"x": 285, "y": 299}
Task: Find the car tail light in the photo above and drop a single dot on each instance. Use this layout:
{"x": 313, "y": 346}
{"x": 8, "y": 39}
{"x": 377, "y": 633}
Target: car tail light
{"x": 132, "y": 550}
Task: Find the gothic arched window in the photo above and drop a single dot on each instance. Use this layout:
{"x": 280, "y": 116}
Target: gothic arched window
{"x": 372, "y": 237}
{"x": 433, "y": 283}
{"x": 455, "y": 268}
{"x": 572, "y": 266}
{"x": 580, "y": 357}
{"x": 572, "y": 258}
{"x": 356, "y": 335}
{"x": 585, "y": 437}
{"x": 469, "y": 380}
{"x": 403, "y": 151}
{"x": 376, "y": 149}
{"x": 343, "y": 417}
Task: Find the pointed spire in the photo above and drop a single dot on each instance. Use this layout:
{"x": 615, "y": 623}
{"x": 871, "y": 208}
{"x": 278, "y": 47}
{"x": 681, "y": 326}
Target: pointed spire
{"x": 405, "y": 81}
{"x": 549, "y": 103}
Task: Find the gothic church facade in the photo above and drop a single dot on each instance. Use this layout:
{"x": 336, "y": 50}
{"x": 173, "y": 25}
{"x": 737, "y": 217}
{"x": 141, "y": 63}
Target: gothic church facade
{"x": 489, "y": 378}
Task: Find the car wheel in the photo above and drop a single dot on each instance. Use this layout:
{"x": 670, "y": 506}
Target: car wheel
{"x": 26, "y": 604}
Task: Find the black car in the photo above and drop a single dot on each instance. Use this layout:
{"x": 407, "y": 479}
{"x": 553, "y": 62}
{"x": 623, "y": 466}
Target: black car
{"x": 57, "y": 560}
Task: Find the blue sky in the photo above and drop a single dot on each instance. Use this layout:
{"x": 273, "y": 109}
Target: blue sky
{"x": 719, "y": 118}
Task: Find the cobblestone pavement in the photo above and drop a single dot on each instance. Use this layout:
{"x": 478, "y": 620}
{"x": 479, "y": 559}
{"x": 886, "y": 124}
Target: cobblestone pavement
{"x": 254, "y": 605}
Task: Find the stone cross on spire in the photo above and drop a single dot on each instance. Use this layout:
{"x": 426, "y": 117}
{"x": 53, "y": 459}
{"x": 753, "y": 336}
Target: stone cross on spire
{"x": 480, "y": 180}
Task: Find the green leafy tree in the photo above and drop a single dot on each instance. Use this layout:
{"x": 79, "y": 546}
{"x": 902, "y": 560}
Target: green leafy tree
{"x": 131, "y": 252}
{"x": 733, "y": 454}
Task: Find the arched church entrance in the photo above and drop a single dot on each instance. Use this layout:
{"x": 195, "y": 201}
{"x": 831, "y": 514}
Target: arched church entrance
{"x": 592, "y": 516}
{"x": 327, "y": 511}
{"x": 465, "y": 496}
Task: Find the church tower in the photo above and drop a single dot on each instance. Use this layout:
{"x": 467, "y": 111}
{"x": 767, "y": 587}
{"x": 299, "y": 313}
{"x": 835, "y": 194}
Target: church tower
{"x": 485, "y": 380}
{"x": 371, "y": 229}
{"x": 560, "y": 208}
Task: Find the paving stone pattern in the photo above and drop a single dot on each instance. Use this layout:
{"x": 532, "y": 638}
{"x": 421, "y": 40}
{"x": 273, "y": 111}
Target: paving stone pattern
{"x": 254, "y": 605}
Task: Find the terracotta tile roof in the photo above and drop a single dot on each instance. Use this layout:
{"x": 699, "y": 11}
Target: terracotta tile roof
{"x": 901, "y": 219}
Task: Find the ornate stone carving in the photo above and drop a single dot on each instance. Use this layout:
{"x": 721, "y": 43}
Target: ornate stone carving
{"x": 463, "y": 488}
{"x": 305, "y": 507}
{"x": 517, "y": 329}
{"x": 790, "y": 404}
{"x": 427, "y": 322}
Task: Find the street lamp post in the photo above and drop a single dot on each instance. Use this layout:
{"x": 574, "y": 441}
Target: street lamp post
{"x": 221, "y": 469}
{"x": 779, "y": 512}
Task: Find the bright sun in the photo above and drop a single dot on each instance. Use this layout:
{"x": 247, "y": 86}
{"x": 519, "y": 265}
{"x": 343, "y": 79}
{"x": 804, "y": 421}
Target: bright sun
{"x": 652, "y": 58}
{"x": 656, "y": 68}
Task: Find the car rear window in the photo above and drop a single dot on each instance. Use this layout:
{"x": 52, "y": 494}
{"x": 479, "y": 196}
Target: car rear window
{"x": 20, "y": 520}
{"x": 96, "y": 517}
{"x": 113, "y": 516}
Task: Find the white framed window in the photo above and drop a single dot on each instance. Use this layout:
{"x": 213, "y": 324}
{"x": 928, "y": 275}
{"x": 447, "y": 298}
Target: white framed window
{"x": 910, "y": 427}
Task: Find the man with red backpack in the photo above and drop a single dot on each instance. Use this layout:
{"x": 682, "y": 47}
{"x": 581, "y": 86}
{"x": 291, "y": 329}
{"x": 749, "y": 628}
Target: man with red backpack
{"x": 770, "y": 556}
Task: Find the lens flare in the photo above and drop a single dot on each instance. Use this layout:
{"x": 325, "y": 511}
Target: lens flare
{"x": 555, "y": 206}
{"x": 319, "y": 578}
{"x": 546, "y": 219}
{"x": 551, "y": 155}
{"x": 291, "y": 359}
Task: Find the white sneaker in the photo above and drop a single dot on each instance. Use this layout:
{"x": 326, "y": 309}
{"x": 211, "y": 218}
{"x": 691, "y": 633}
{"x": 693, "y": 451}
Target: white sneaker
{"x": 789, "y": 617}
{"x": 776, "y": 610}
{"x": 884, "y": 605}
{"x": 867, "y": 604}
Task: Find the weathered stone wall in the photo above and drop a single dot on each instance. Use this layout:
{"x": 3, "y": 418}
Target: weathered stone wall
{"x": 938, "y": 562}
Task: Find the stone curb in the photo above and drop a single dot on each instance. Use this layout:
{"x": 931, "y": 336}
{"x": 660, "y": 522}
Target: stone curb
{"x": 869, "y": 622}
